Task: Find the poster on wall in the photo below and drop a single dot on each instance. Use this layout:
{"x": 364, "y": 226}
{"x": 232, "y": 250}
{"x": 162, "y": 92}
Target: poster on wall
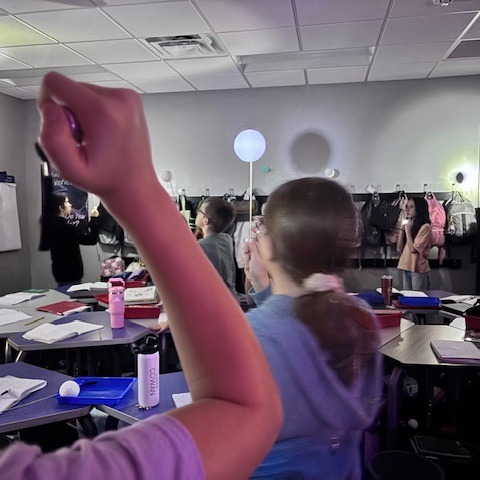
{"x": 78, "y": 198}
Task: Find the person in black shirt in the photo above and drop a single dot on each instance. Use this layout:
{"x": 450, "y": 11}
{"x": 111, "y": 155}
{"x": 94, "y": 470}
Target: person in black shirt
{"x": 64, "y": 240}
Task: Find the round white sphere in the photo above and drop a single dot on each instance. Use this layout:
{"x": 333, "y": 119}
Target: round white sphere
{"x": 69, "y": 389}
{"x": 249, "y": 145}
{"x": 413, "y": 424}
{"x": 166, "y": 176}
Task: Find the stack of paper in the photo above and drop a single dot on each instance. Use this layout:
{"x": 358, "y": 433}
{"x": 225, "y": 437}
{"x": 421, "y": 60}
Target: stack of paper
{"x": 8, "y": 316}
{"x": 14, "y": 389}
{"x": 51, "y": 333}
{"x": 453, "y": 351}
{"x": 469, "y": 299}
{"x": 141, "y": 295}
{"x": 14, "y": 298}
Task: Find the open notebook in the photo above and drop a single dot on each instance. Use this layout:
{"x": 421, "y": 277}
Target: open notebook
{"x": 51, "y": 333}
{"x": 14, "y": 389}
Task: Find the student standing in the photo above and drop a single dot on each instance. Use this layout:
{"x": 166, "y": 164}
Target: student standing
{"x": 64, "y": 240}
{"x": 414, "y": 243}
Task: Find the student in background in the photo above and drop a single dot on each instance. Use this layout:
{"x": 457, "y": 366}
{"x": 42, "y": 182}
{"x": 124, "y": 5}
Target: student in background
{"x": 324, "y": 361}
{"x": 64, "y": 240}
{"x": 214, "y": 216}
{"x": 414, "y": 243}
{"x": 236, "y": 413}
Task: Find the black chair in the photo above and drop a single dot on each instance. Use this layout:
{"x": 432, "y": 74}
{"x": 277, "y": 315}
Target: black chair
{"x": 401, "y": 465}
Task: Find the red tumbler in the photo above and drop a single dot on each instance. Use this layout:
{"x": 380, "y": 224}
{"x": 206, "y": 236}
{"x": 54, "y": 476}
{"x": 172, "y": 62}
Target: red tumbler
{"x": 387, "y": 281}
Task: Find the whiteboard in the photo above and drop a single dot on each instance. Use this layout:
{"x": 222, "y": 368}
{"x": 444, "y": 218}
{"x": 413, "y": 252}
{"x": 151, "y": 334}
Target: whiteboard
{"x": 9, "y": 224}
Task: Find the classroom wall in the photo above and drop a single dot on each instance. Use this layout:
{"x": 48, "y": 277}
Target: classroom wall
{"x": 408, "y": 133}
{"x": 15, "y": 265}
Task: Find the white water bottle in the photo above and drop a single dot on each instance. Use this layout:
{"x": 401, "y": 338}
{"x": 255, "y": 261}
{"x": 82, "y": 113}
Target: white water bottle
{"x": 148, "y": 365}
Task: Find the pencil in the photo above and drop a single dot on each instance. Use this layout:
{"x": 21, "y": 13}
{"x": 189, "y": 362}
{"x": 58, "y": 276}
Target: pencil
{"x": 34, "y": 321}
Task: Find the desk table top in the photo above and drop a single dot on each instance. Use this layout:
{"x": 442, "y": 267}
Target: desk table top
{"x": 127, "y": 409}
{"x": 412, "y": 346}
{"x": 130, "y": 333}
{"x": 40, "y": 407}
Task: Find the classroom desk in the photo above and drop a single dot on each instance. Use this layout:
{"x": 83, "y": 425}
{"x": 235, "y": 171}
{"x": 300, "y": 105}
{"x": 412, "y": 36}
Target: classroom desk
{"x": 411, "y": 351}
{"x": 389, "y": 333}
{"x": 41, "y": 407}
{"x": 127, "y": 410}
{"x": 105, "y": 338}
{"x": 30, "y": 308}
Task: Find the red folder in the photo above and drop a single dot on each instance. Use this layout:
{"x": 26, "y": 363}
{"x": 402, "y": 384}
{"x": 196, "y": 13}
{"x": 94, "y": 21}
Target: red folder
{"x": 63, "y": 308}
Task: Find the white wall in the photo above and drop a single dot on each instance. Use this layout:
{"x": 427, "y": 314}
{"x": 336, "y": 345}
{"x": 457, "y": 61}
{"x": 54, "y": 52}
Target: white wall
{"x": 14, "y": 265}
{"x": 384, "y": 133}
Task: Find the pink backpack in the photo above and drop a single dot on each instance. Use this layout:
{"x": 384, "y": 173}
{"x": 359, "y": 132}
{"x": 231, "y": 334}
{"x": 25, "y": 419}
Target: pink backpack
{"x": 438, "y": 219}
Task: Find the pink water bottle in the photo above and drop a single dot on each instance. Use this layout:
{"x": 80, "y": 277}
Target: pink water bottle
{"x": 116, "y": 303}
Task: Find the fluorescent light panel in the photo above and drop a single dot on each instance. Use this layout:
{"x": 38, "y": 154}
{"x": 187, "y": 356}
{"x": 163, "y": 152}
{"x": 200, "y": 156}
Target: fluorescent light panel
{"x": 306, "y": 60}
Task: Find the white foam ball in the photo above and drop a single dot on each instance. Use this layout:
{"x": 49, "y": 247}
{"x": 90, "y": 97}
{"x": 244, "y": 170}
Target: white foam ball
{"x": 166, "y": 176}
{"x": 69, "y": 389}
{"x": 413, "y": 424}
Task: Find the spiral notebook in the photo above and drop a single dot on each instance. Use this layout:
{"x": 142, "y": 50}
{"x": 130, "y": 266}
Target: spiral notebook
{"x": 14, "y": 389}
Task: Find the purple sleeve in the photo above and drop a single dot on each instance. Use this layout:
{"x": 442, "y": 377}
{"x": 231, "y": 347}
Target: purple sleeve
{"x": 160, "y": 447}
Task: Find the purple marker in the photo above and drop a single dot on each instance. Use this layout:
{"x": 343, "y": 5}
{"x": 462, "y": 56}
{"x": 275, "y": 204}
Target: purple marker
{"x": 74, "y": 126}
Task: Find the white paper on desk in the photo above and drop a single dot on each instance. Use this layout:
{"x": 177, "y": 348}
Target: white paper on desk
{"x": 394, "y": 290}
{"x": 181, "y": 399}
{"x": 88, "y": 286}
{"x": 8, "y": 316}
{"x": 14, "y": 389}
{"x": 460, "y": 299}
{"x": 51, "y": 333}
{"x": 412, "y": 293}
{"x": 14, "y": 298}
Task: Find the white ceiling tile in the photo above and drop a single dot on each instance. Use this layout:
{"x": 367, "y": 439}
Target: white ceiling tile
{"x": 261, "y": 41}
{"x": 113, "y": 51}
{"x": 336, "y": 75}
{"x": 276, "y": 79}
{"x": 234, "y": 15}
{"x": 140, "y": 70}
{"x": 425, "y": 29}
{"x": 209, "y": 66}
{"x": 13, "y": 33}
{"x": 217, "y": 81}
{"x": 118, "y": 84}
{"x": 474, "y": 31}
{"x": 21, "y": 6}
{"x": 400, "y": 71}
{"x": 93, "y": 77}
{"x": 457, "y": 67}
{"x": 340, "y": 35}
{"x": 45, "y": 56}
{"x": 18, "y": 93}
{"x": 174, "y": 83}
{"x": 333, "y": 11}
{"x": 75, "y": 25}
{"x": 409, "y": 53}
{"x": 103, "y": 3}
{"x": 159, "y": 19}
{"x": 7, "y": 63}
{"x": 413, "y": 8}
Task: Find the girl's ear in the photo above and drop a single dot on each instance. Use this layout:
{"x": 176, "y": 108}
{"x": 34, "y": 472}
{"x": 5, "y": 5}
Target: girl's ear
{"x": 267, "y": 250}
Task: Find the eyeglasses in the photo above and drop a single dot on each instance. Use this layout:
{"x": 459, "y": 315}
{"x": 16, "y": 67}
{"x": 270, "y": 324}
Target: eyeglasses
{"x": 258, "y": 224}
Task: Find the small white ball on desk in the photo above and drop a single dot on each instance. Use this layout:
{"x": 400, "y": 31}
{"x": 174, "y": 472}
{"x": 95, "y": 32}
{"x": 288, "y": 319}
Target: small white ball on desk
{"x": 69, "y": 389}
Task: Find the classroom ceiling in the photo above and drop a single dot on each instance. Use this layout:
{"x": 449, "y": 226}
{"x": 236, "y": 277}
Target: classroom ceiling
{"x": 158, "y": 46}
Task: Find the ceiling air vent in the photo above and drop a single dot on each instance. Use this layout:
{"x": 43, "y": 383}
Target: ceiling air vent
{"x": 197, "y": 45}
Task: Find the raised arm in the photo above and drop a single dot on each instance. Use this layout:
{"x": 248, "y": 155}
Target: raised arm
{"x": 236, "y": 413}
